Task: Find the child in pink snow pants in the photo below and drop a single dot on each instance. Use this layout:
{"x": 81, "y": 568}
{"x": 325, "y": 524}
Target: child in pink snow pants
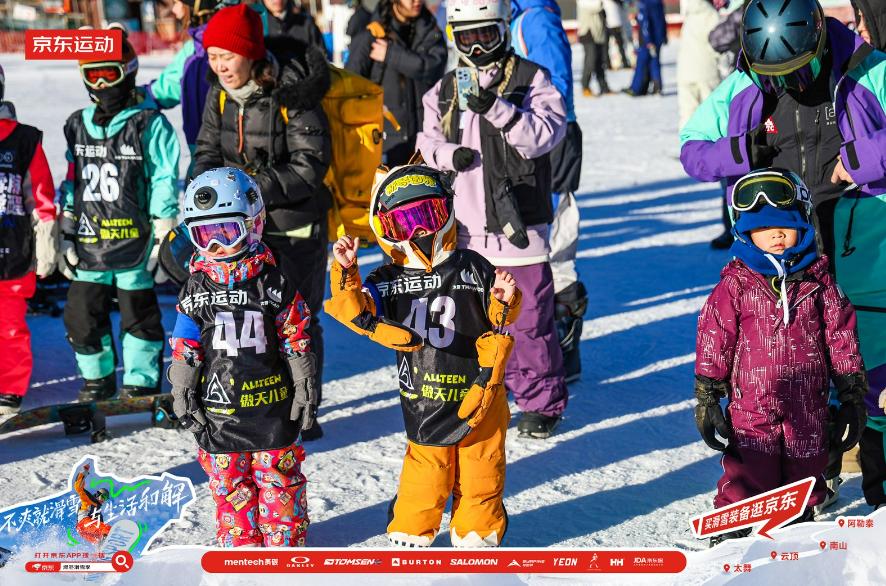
{"x": 242, "y": 372}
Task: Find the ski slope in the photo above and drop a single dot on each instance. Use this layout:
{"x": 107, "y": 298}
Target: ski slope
{"x": 625, "y": 469}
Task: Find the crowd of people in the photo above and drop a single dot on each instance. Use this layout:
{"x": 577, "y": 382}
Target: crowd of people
{"x": 475, "y": 209}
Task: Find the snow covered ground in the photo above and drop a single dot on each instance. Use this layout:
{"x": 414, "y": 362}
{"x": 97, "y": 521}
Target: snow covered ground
{"x": 626, "y": 467}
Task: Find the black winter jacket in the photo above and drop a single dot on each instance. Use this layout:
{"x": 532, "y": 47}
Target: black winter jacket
{"x": 298, "y": 25}
{"x": 415, "y": 61}
{"x": 289, "y": 160}
{"x": 874, "y": 12}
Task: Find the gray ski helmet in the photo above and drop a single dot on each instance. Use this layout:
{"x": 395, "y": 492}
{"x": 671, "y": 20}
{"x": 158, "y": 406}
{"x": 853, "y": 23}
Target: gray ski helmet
{"x": 225, "y": 192}
{"x": 781, "y": 36}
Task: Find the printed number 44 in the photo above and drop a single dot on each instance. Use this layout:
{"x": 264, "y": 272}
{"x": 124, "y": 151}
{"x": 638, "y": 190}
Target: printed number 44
{"x": 439, "y": 337}
{"x": 252, "y": 334}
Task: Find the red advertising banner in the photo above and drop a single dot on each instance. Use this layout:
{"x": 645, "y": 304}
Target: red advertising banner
{"x": 773, "y": 509}
{"x": 445, "y": 561}
{"x": 76, "y": 44}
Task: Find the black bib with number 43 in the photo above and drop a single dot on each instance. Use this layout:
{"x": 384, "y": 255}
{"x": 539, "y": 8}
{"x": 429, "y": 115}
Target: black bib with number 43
{"x": 245, "y": 386}
{"x": 448, "y": 308}
{"x": 110, "y": 194}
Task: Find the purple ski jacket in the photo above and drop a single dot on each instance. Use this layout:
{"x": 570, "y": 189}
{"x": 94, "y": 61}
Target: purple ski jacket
{"x": 742, "y": 338}
{"x": 713, "y": 142}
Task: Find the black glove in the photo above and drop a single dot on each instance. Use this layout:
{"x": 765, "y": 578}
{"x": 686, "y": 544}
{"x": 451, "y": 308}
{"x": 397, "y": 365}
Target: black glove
{"x": 462, "y": 158}
{"x": 760, "y": 153}
{"x": 482, "y": 102}
{"x": 708, "y": 413}
{"x": 852, "y": 414}
{"x": 303, "y": 370}
{"x": 185, "y": 402}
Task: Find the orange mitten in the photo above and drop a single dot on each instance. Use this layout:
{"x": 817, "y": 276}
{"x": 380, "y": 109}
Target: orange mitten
{"x": 493, "y": 351}
{"x": 351, "y": 306}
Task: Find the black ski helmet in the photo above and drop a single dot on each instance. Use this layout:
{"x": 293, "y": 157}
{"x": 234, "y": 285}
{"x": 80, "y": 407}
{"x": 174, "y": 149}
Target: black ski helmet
{"x": 781, "y": 36}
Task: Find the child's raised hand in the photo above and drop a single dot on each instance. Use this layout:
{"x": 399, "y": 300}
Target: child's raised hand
{"x": 504, "y": 286}
{"x": 345, "y": 250}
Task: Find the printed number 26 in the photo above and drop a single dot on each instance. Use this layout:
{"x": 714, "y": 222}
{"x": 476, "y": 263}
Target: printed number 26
{"x": 252, "y": 334}
{"x": 439, "y": 337}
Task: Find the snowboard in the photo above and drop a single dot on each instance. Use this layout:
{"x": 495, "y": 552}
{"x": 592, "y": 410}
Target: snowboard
{"x": 123, "y": 535}
{"x": 90, "y": 416}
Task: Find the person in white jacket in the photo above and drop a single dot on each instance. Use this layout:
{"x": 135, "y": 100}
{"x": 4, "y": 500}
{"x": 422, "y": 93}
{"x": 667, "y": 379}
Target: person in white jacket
{"x": 615, "y": 20}
{"x": 697, "y": 71}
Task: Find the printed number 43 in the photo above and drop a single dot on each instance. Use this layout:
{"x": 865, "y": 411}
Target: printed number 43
{"x": 439, "y": 337}
{"x": 252, "y": 334}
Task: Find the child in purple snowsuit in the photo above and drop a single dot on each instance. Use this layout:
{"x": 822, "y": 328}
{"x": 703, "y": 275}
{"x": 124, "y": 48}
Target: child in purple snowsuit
{"x": 773, "y": 333}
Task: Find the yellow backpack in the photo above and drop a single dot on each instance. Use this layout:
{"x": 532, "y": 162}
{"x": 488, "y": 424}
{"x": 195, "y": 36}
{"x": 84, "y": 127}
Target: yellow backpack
{"x": 355, "y": 109}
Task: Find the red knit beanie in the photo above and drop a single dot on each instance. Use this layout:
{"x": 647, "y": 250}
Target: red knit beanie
{"x": 237, "y": 29}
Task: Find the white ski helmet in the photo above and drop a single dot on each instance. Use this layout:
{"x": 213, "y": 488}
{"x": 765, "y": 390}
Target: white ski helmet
{"x": 223, "y": 206}
{"x": 479, "y": 29}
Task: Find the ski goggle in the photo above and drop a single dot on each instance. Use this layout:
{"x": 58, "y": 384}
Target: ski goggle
{"x": 773, "y": 189}
{"x": 105, "y": 73}
{"x": 484, "y": 38}
{"x": 798, "y": 80}
{"x": 225, "y": 232}
{"x": 401, "y": 223}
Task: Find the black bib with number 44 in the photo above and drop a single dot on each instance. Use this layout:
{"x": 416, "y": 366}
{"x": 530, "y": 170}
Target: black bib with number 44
{"x": 245, "y": 386}
{"x": 110, "y": 194}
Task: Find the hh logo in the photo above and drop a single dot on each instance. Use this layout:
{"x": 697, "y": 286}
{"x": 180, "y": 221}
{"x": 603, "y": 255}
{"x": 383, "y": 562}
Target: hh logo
{"x": 770, "y": 126}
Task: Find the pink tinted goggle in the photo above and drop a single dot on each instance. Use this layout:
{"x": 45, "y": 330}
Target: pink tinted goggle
{"x": 227, "y": 233}
{"x": 400, "y": 223}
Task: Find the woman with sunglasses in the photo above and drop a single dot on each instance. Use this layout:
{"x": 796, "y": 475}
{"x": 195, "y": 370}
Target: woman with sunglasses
{"x": 498, "y": 146}
{"x": 263, "y": 115}
{"x": 242, "y": 369}
{"x": 403, "y": 50}
{"x": 119, "y": 200}
{"x": 771, "y": 337}
{"x": 809, "y": 95}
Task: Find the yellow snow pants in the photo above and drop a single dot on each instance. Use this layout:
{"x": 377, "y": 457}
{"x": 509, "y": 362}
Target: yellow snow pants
{"x": 473, "y": 471}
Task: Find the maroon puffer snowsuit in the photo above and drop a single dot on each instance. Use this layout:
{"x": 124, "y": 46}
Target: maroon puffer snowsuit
{"x": 779, "y": 375}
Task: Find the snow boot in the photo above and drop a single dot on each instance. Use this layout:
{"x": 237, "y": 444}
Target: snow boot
{"x": 536, "y": 425}
{"x": 737, "y": 534}
{"x": 570, "y": 306}
{"x": 99, "y": 389}
{"x": 10, "y": 404}
{"x": 132, "y": 391}
{"x": 808, "y": 516}
{"x": 314, "y": 432}
{"x": 833, "y": 486}
{"x": 723, "y": 241}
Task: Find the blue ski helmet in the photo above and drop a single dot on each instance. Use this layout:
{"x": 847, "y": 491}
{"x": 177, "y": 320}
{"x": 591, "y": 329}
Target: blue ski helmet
{"x": 779, "y": 37}
{"x": 223, "y": 205}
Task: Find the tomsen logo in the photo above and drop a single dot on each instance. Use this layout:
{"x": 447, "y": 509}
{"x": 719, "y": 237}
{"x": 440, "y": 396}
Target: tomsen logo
{"x": 352, "y": 562}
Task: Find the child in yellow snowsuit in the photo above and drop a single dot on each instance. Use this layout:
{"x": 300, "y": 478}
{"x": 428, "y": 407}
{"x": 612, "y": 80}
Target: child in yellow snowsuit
{"x": 443, "y": 310}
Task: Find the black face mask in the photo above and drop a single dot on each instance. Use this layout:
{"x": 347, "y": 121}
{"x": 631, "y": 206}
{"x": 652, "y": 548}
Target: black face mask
{"x": 111, "y": 101}
{"x": 425, "y": 245}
